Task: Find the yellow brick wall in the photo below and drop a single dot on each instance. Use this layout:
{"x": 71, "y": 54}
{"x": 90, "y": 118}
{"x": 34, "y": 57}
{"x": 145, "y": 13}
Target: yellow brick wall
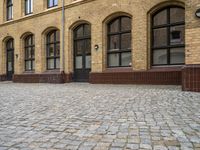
{"x": 97, "y": 13}
{"x": 192, "y": 33}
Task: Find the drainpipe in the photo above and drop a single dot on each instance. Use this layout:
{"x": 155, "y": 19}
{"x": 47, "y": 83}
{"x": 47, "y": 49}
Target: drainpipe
{"x": 63, "y": 37}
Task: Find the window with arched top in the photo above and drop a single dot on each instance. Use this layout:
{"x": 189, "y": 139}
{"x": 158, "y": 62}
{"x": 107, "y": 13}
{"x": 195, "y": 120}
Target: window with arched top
{"x": 53, "y": 50}
{"x": 119, "y": 42}
{"x": 29, "y": 47}
{"x": 9, "y": 10}
{"x": 168, "y": 36}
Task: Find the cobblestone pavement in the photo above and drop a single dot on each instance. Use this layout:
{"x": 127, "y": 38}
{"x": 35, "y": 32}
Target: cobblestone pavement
{"x": 83, "y": 116}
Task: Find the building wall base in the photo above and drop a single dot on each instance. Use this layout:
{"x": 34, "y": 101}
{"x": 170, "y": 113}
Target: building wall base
{"x": 42, "y": 78}
{"x": 3, "y": 77}
{"x": 154, "y": 77}
{"x": 188, "y": 77}
{"x": 191, "y": 78}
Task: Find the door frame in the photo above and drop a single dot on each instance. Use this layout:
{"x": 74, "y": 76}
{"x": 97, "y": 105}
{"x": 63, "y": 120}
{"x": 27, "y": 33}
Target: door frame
{"x": 84, "y": 69}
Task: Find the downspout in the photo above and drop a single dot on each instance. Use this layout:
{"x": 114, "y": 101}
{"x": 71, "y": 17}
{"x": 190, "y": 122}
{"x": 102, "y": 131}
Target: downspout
{"x": 63, "y": 38}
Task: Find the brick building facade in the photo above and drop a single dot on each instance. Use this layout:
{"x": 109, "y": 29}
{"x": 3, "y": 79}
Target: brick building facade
{"x": 101, "y": 41}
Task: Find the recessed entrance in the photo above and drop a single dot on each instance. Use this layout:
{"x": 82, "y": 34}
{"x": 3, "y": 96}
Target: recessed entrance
{"x": 10, "y": 59}
{"x": 82, "y": 53}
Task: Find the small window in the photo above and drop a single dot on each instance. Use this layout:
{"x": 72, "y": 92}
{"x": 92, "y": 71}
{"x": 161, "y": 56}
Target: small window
{"x": 53, "y": 50}
{"x": 119, "y": 42}
{"x": 168, "y": 37}
{"x": 29, "y": 46}
{"x": 52, "y": 3}
{"x": 9, "y": 10}
{"x": 28, "y": 7}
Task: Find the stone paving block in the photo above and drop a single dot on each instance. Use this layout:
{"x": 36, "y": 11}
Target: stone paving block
{"x": 84, "y": 116}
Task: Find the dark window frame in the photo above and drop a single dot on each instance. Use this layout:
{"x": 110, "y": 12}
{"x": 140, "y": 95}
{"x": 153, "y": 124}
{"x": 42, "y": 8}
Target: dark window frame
{"x": 26, "y": 48}
{"x": 54, "y": 43}
{"x": 168, "y": 25}
{"x": 30, "y": 7}
{"x": 9, "y": 4}
{"x": 119, "y": 33}
{"x": 54, "y": 5}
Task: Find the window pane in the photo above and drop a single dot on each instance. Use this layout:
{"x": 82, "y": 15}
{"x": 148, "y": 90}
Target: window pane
{"x": 33, "y": 52}
{"x": 114, "y": 26}
{"x": 160, "y": 57}
{"x": 28, "y": 65}
{"x": 177, "y": 56}
{"x": 55, "y": 2}
{"x": 125, "y": 24}
{"x": 31, "y": 9}
{"x": 33, "y": 64}
{"x": 126, "y": 41}
{"x": 57, "y": 63}
{"x": 29, "y": 41}
{"x": 177, "y": 15}
{"x": 26, "y": 6}
{"x": 114, "y": 43}
{"x": 160, "y": 37}
{"x": 50, "y": 63}
{"x": 9, "y": 13}
{"x": 33, "y": 40}
{"x": 28, "y": 53}
{"x": 57, "y": 36}
{"x": 160, "y": 18}
{"x": 113, "y": 60}
{"x": 9, "y": 44}
{"x": 88, "y": 62}
{"x": 87, "y": 30}
{"x": 177, "y": 35}
{"x": 51, "y": 50}
{"x": 79, "y": 32}
{"x": 126, "y": 59}
{"x": 50, "y": 3}
{"x": 51, "y": 38}
{"x": 88, "y": 46}
{"x": 79, "y": 47}
{"x": 57, "y": 49}
{"x": 9, "y": 2}
{"x": 10, "y": 61}
{"x": 79, "y": 63}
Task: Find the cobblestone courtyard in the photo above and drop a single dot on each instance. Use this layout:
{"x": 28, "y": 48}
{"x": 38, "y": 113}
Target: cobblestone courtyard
{"x": 83, "y": 116}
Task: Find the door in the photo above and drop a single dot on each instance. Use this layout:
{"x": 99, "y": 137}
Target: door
{"x": 10, "y": 59}
{"x": 82, "y": 53}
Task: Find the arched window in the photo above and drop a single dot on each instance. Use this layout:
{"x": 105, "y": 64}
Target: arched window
{"x": 52, "y": 3}
{"x": 168, "y": 36}
{"x": 28, "y": 7}
{"x": 53, "y": 50}
{"x": 29, "y": 46}
{"x": 119, "y": 42}
{"x": 9, "y": 10}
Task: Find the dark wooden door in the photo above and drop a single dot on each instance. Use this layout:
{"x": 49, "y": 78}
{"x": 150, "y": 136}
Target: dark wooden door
{"x": 82, "y": 53}
{"x": 10, "y": 59}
